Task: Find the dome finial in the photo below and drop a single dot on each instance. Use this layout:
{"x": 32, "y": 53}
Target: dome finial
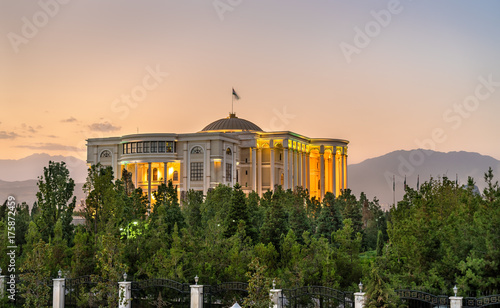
{"x": 232, "y": 115}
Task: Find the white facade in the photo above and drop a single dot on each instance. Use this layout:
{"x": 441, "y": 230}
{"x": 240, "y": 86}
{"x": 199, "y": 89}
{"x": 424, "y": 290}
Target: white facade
{"x": 227, "y": 151}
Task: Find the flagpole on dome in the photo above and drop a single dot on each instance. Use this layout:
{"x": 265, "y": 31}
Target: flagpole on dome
{"x": 233, "y": 96}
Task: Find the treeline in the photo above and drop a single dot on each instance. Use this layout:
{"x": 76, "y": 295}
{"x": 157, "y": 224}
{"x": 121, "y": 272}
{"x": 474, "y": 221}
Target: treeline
{"x": 441, "y": 235}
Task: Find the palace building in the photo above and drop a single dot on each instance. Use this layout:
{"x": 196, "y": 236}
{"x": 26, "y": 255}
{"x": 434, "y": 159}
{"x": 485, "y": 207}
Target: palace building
{"x": 226, "y": 151}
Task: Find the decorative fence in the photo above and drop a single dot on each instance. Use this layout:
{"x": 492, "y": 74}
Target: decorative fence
{"x": 93, "y": 291}
{"x": 160, "y": 293}
{"x": 224, "y": 294}
{"x": 419, "y": 299}
{"x": 316, "y": 296}
{"x": 491, "y": 301}
{"x": 86, "y": 291}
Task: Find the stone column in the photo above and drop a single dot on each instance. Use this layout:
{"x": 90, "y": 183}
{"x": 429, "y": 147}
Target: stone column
{"x": 271, "y": 182}
{"x": 254, "y": 170}
{"x": 149, "y": 183}
{"x": 224, "y": 163}
{"x": 234, "y": 163}
{"x": 185, "y": 168}
{"x": 299, "y": 168}
{"x": 275, "y": 295}
{"x": 342, "y": 161}
{"x": 303, "y": 173}
{"x": 359, "y": 299}
{"x": 285, "y": 167}
{"x": 308, "y": 172}
{"x": 208, "y": 166}
{"x": 58, "y": 293}
{"x": 322, "y": 171}
{"x": 259, "y": 167}
{"x": 456, "y": 302}
{"x": 346, "y": 173}
{"x": 334, "y": 173}
{"x": 136, "y": 171}
{"x": 196, "y": 296}
{"x": 165, "y": 173}
{"x": 124, "y": 294}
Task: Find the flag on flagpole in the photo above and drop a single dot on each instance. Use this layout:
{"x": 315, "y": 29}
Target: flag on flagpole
{"x": 235, "y": 95}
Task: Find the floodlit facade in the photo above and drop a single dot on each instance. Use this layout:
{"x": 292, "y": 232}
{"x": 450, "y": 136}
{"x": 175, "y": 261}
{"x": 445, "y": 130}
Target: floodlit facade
{"x": 226, "y": 151}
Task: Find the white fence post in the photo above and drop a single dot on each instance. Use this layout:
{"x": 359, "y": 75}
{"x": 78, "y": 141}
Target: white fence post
{"x": 196, "y": 296}
{"x": 3, "y": 281}
{"x": 124, "y": 294}
{"x": 275, "y": 295}
{"x": 58, "y": 293}
{"x": 359, "y": 299}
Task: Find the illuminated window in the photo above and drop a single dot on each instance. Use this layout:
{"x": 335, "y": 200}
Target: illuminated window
{"x": 134, "y": 147}
{"x": 145, "y": 146}
{"x": 170, "y": 147}
{"x": 175, "y": 176}
{"x": 128, "y": 148}
{"x": 155, "y": 174}
{"x": 153, "y": 146}
{"x": 161, "y": 147}
{"x": 228, "y": 151}
{"x": 197, "y": 150}
{"x": 229, "y": 172}
{"x": 196, "y": 171}
{"x": 139, "y": 147}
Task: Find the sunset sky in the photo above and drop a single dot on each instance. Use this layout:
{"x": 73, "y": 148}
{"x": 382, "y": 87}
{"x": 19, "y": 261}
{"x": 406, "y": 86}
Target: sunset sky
{"x": 385, "y": 75}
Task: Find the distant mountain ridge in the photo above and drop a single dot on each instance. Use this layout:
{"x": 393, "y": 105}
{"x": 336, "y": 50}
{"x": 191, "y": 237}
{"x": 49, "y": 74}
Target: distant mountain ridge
{"x": 374, "y": 176}
{"x": 31, "y": 167}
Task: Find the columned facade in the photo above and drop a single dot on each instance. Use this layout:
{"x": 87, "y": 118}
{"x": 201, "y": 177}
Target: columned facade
{"x": 227, "y": 151}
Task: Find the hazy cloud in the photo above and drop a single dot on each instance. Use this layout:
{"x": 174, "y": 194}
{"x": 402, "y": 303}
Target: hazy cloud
{"x": 29, "y": 129}
{"x": 50, "y": 146}
{"x": 104, "y": 127}
{"x": 69, "y": 120}
{"x": 52, "y": 136}
{"x": 8, "y": 135}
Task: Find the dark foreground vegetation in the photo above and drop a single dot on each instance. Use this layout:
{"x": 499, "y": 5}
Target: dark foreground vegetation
{"x": 438, "y": 236}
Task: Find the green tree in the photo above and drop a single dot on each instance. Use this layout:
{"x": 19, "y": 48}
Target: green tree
{"x": 258, "y": 286}
{"x": 237, "y": 213}
{"x": 378, "y": 292}
{"x": 55, "y": 200}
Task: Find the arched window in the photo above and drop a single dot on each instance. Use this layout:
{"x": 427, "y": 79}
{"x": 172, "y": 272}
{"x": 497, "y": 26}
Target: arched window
{"x": 105, "y": 154}
{"x": 228, "y": 151}
{"x": 197, "y": 150}
{"x": 175, "y": 176}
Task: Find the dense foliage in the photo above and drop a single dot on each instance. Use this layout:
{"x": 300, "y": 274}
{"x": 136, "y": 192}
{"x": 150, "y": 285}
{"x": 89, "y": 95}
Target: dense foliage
{"x": 441, "y": 235}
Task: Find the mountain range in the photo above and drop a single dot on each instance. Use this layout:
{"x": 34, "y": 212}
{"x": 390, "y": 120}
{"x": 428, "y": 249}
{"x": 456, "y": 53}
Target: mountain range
{"x": 373, "y": 176}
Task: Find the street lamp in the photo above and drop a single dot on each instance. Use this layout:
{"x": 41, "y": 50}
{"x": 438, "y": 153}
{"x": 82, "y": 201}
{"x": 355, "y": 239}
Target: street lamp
{"x": 196, "y": 280}
{"x": 455, "y": 289}
{"x": 360, "y": 285}
{"x": 124, "y": 276}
